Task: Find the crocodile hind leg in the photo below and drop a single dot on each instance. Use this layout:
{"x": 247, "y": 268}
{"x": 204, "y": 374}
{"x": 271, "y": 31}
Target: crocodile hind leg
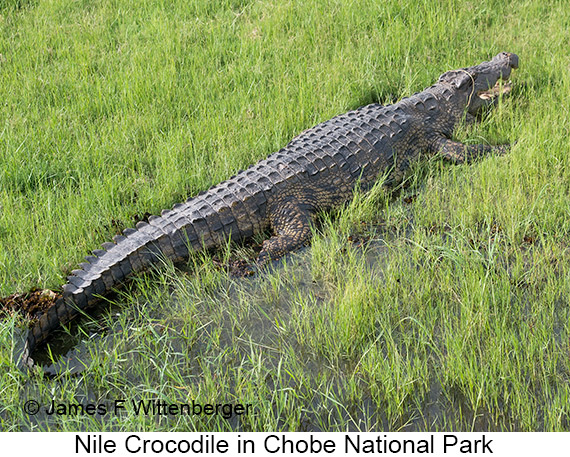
{"x": 464, "y": 153}
{"x": 291, "y": 222}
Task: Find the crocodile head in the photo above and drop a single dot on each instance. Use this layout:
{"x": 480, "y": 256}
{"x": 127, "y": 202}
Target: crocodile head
{"x": 480, "y": 86}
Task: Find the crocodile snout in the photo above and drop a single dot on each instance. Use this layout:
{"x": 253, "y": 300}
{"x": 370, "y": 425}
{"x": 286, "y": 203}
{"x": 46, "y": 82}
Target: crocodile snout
{"x": 510, "y": 58}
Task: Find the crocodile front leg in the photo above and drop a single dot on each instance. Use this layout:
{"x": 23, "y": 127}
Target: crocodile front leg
{"x": 458, "y": 153}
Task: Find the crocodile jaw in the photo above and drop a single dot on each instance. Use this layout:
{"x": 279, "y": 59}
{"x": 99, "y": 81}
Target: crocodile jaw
{"x": 499, "y": 89}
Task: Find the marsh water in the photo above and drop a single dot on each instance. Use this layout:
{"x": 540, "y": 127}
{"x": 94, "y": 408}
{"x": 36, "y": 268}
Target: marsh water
{"x": 433, "y": 409}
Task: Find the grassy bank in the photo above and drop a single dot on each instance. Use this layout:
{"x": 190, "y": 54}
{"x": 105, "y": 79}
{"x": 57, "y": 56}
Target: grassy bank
{"x": 444, "y": 306}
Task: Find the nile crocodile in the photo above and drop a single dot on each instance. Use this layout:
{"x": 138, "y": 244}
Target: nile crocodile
{"x": 317, "y": 170}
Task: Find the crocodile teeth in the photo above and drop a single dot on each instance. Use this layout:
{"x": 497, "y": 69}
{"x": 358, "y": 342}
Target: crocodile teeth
{"x": 496, "y": 90}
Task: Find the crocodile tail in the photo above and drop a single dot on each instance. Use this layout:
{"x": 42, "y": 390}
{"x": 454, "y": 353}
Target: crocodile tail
{"x": 188, "y": 226}
{"x": 61, "y": 312}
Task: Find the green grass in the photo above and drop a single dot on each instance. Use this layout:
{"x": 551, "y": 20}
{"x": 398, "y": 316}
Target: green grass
{"x": 452, "y": 316}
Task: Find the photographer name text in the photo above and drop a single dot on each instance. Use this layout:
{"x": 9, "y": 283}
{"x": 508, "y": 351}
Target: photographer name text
{"x": 142, "y": 407}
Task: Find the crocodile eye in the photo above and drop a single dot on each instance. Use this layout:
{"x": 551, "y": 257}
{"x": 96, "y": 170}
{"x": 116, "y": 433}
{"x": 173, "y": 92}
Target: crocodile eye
{"x": 462, "y": 79}
{"x": 458, "y": 78}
